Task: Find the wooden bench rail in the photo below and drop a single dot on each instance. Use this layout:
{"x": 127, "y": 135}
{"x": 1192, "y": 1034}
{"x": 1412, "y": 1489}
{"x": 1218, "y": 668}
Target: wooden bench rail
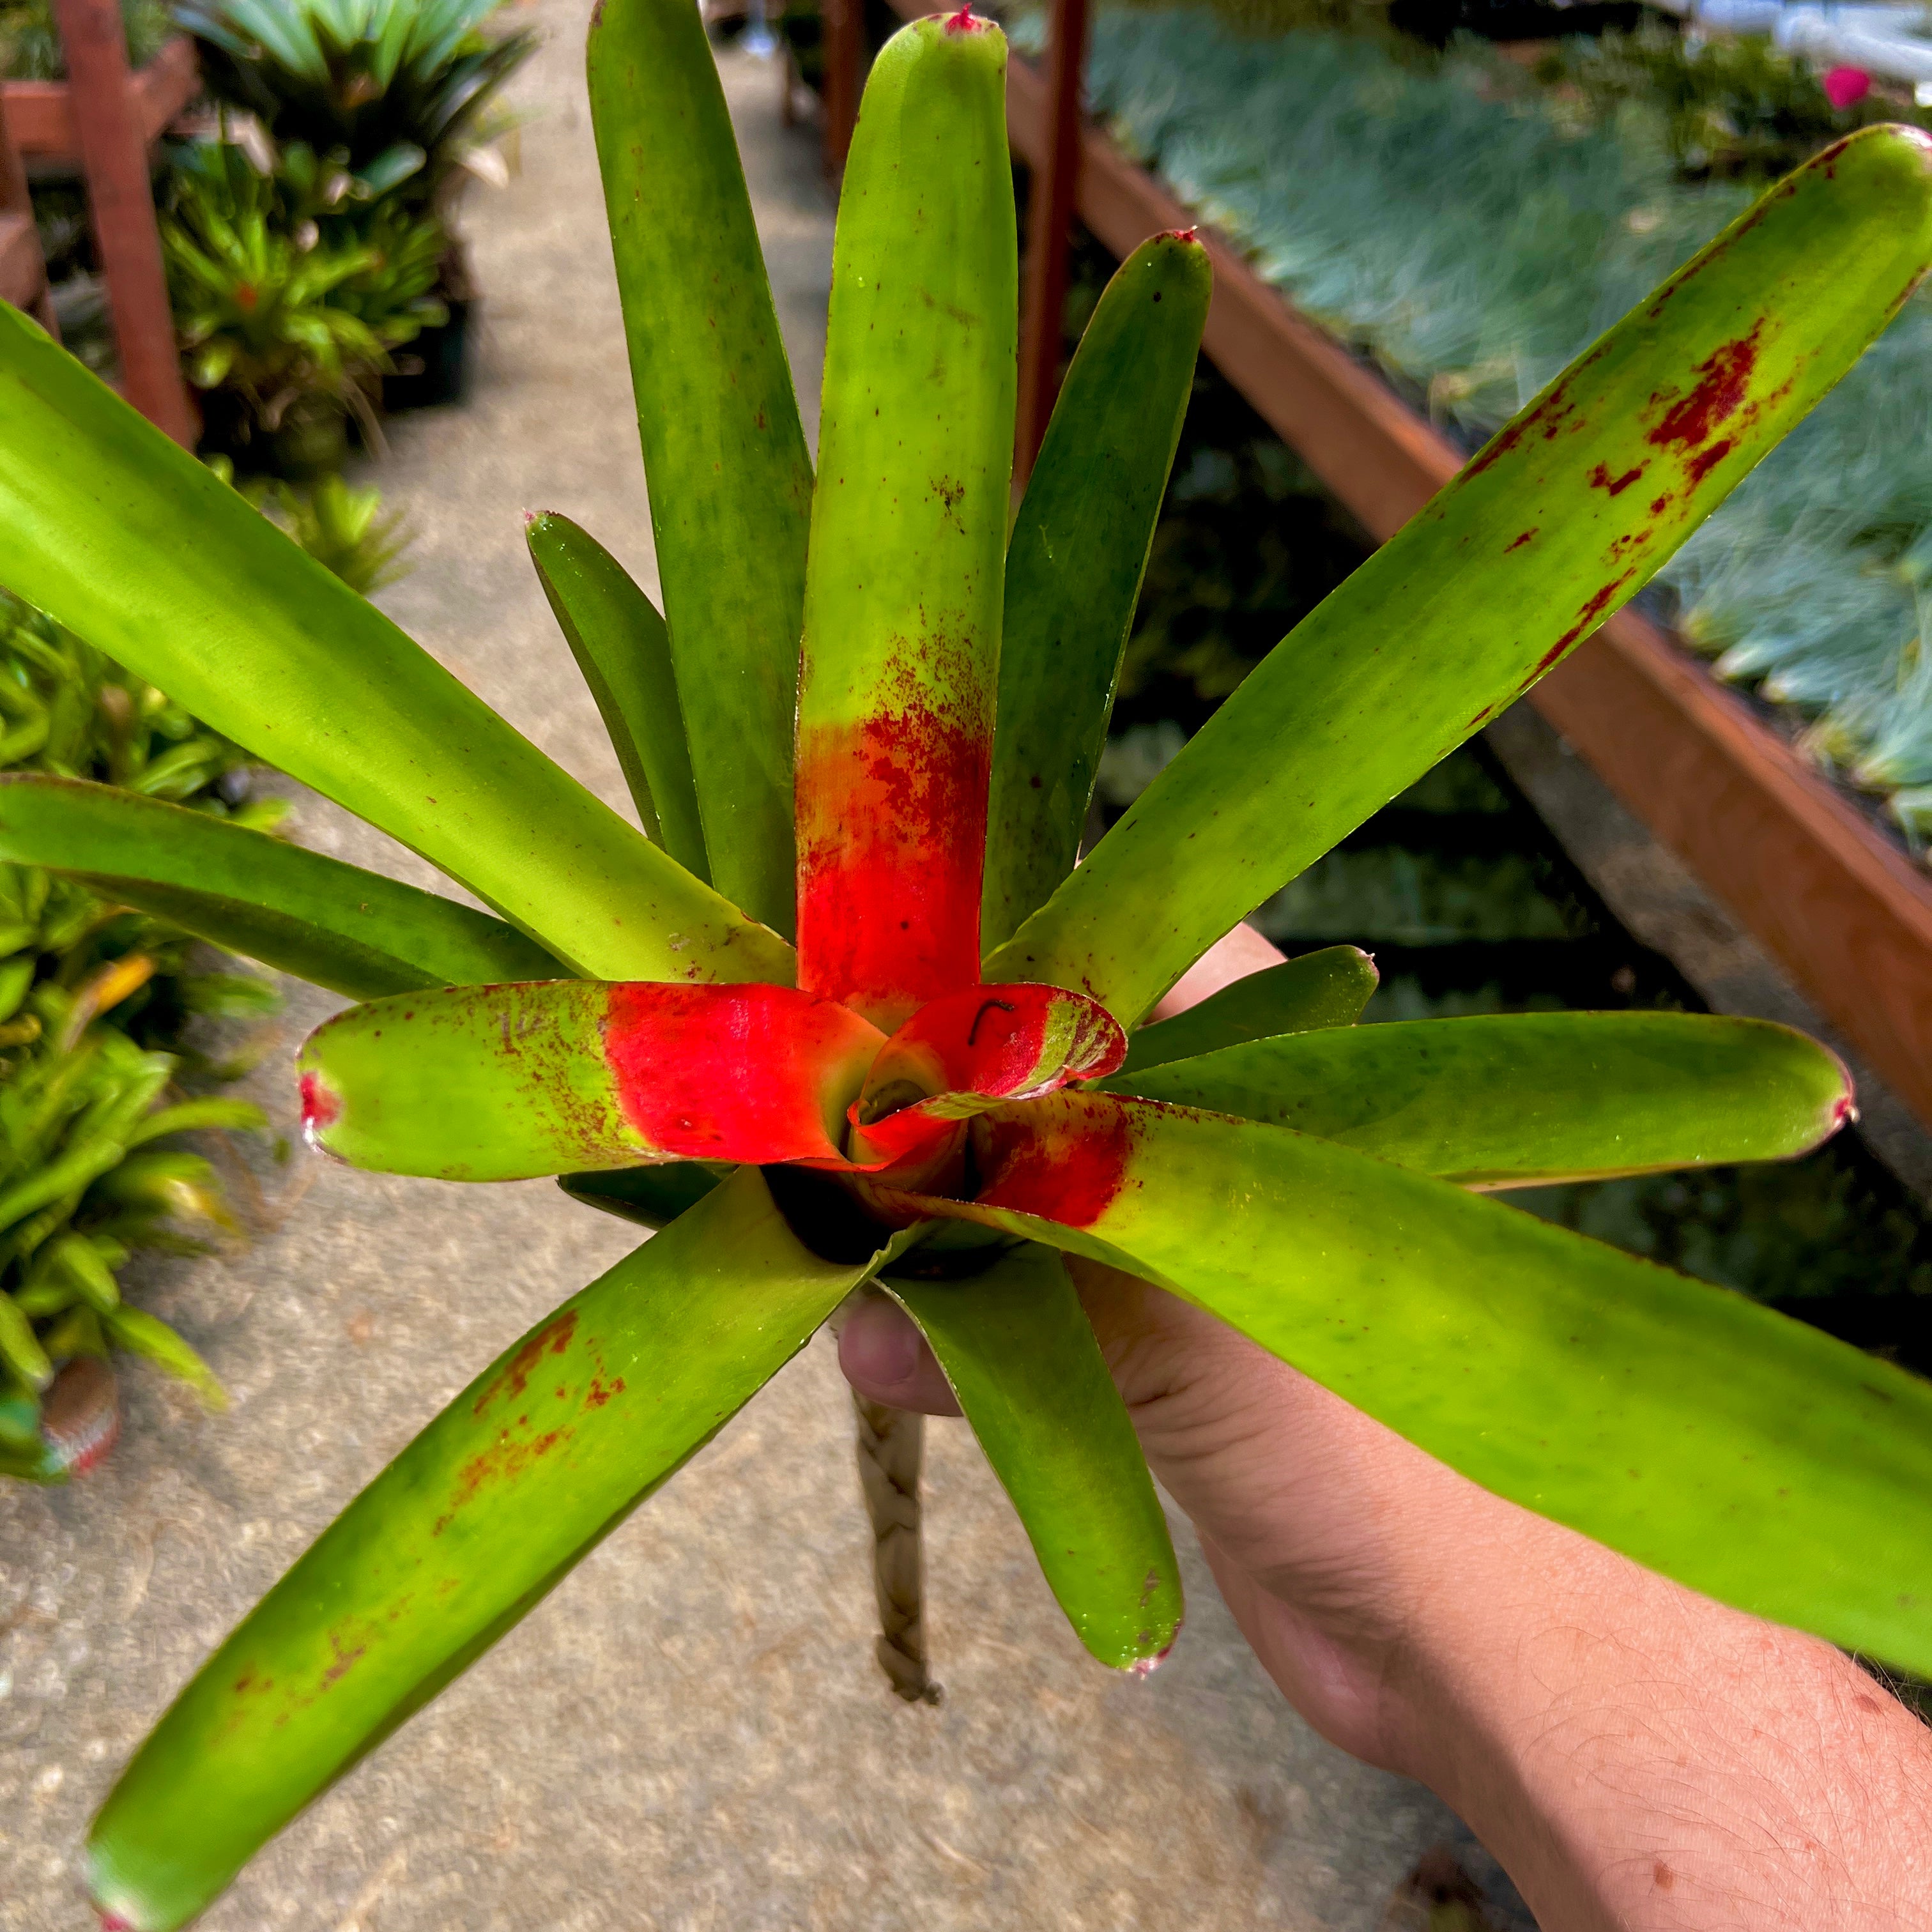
{"x": 40, "y": 112}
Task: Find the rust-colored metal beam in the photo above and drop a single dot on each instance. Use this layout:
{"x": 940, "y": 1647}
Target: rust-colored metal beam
{"x": 1839, "y": 906}
{"x": 1056, "y": 180}
{"x": 114, "y": 158}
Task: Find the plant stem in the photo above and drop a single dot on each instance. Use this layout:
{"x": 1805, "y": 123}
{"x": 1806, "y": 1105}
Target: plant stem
{"x": 892, "y": 1444}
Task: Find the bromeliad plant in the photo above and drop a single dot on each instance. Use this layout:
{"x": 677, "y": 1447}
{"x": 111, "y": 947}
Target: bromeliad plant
{"x": 289, "y": 295}
{"x": 406, "y": 90}
{"x": 946, "y": 1084}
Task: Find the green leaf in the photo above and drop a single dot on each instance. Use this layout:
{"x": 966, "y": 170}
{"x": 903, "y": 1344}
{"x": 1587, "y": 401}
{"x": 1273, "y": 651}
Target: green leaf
{"x": 1744, "y": 1454}
{"x": 1328, "y": 989}
{"x": 909, "y": 530}
{"x": 1562, "y": 518}
{"x": 1522, "y": 1099}
{"x": 1015, "y": 1346}
{"x": 621, "y": 647}
{"x": 650, "y": 1197}
{"x": 143, "y": 1334}
{"x": 730, "y": 476}
{"x": 1074, "y": 565}
{"x": 122, "y": 536}
{"x": 20, "y": 1348}
{"x": 353, "y": 932}
{"x": 508, "y": 1490}
{"x": 504, "y": 1083}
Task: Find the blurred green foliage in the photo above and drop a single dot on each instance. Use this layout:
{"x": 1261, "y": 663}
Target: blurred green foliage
{"x": 285, "y": 287}
{"x": 93, "y": 1001}
{"x": 30, "y": 48}
{"x": 403, "y": 91}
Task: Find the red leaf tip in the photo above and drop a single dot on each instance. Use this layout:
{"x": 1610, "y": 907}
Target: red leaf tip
{"x": 321, "y": 1106}
{"x": 1181, "y": 234}
{"x": 965, "y": 21}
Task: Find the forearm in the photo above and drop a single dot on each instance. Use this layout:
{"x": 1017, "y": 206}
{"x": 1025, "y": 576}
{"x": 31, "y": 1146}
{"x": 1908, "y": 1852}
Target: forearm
{"x": 1640, "y": 1757}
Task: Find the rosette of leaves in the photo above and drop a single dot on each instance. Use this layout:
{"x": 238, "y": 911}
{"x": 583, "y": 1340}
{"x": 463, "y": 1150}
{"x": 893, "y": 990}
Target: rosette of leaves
{"x": 844, "y": 1010}
{"x": 346, "y": 529}
{"x": 405, "y": 89}
{"x": 274, "y": 306}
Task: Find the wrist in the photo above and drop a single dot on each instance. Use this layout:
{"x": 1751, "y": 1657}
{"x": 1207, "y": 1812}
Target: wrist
{"x": 1639, "y": 1756}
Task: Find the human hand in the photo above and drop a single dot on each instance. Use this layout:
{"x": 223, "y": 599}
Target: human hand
{"x": 1635, "y": 1754}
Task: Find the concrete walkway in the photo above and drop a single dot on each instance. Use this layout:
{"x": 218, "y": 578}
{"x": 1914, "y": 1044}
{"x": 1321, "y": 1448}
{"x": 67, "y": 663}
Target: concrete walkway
{"x": 691, "y": 1732}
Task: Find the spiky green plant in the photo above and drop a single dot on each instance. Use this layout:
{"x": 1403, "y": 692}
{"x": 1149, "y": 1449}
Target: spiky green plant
{"x": 403, "y": 87}
{"x": 867, "y": 718}
{"x": 273, "y": 305}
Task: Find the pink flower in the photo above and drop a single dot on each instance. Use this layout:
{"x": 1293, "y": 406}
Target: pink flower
{"x": 1845, "y": 84}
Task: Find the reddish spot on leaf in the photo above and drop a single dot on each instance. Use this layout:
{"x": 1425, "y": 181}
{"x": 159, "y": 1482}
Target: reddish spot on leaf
{"x": 1600, "y": 478}
{"x": 344, "y": 1657}
{"x": 1658, "y": 504}
{"x": 600, "y": 1391}
{"x": 1586, "y": 618}
{"x": 504, "y": 1462}
{"x": 513, "y": 1377}
{"x": 1498, "y": 446}
{"x": 1527, "y": 536}
{"x": 1723, "y": 381}
{"x": 1701, "y": 465}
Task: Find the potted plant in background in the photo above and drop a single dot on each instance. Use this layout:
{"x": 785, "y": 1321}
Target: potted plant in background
{"x": 289, "y": 297}
{"x": 402, "y": 95}
{"x": 93, "y": 1000}
{"x": 948, "y": 1082}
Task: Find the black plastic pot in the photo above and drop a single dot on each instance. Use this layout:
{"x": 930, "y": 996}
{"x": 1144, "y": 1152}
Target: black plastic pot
{"x": 435, "y": 367}
{"x": 1435, "y": 21}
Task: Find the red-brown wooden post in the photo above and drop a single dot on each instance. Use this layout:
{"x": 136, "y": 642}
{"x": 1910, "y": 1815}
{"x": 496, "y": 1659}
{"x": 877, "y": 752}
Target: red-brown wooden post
{"x": 23, "y": 271}
{"x": 114, "y": 157}
{"x": 1049, "y": 224}
{"x": 843, "y": 48}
